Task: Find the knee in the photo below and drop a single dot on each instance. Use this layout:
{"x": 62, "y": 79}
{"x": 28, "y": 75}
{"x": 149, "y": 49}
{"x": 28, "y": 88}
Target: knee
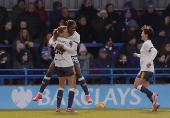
{"x": 79, "y": 75}
{"x": 138, "y": 87}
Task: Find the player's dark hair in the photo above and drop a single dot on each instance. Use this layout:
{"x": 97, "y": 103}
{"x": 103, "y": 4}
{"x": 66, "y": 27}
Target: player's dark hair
{"x": 82, "y": 16}
{"x": 149, "y": 31}
{"x": 69, "y": 23}
{"x": 57, "y": 32}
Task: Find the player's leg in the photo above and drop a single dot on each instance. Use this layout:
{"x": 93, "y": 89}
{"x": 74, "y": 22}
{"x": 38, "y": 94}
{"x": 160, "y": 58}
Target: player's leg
{"x": 146, "y": 84}
{"x": 45, "y": 81}
{"x": 71, "y": 76}
{"x": 82, "y": 82}
{"x": 72, "y": 83}
{"x": 62, "y": 83}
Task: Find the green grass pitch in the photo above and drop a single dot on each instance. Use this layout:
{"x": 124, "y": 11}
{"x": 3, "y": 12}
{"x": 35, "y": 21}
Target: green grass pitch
{"x": 86, "y": 113}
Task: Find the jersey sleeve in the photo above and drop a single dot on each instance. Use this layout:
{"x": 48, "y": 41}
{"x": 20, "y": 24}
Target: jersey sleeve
{"x": 148, "y": 46}
{"x": 77, "y": 38}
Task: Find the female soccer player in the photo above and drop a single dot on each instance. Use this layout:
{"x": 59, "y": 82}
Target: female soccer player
{"x": 64, "y": 65}
{"x": 74, "y": 37}
{"x": 145, "y": 75}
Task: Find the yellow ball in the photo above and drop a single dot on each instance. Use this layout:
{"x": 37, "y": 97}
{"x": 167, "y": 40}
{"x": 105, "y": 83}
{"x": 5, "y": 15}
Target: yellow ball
{"x": 101, "y": 105}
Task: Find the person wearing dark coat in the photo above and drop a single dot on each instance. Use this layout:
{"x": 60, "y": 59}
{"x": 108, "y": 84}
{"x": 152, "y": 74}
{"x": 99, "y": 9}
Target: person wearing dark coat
{"x": 3, "y": 61}
{"x": 162, "y": 33}
{"x": 150, "y": 18}
{"x": 112, "y": 51}
{"x": 7, "y": 34}
{"x": 65, "y": 14}
{"x": 132, "y": 28}
{"x": 58, "y": 22}
{"x": 85, "y": 30}
{"x": 113, "y": 15}
{"x": 159, "y": 62}
{"x": 129, "y": 48}
{"x": 17, "y": 10}
{"x": 33, "y": 20}
{"x": 22, "y": 62}
{"x": 87, "y": 10}
{"x": 3, "y": 16}
{"x": 99, "y": 23}
{"x": 57, "y": 6}
{"x": 128, "y": 5}
{"x": 122, "y": 63}
{"x": 102, "y": 62}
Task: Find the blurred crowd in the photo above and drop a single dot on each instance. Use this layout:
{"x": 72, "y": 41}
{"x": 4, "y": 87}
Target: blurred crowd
{"x": 28, "y": 26}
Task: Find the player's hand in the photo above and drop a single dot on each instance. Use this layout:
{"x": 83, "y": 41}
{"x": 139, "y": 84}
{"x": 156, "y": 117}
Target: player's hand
{"x": 59, "y": 47}
{"x": 135, "y": 54}
{"x": 62, "y": 50}
{"x": 149, "y": 64}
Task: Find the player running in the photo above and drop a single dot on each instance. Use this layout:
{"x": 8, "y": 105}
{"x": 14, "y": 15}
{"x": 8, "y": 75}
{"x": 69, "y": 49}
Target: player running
{"x": 145, "y": 75}
{"x": 74, "y": 37}
{"x": 64, "y": 65}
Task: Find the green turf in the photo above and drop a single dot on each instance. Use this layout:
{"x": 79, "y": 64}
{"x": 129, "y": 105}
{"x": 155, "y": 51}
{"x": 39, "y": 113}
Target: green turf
{"x": 86, "y": 113}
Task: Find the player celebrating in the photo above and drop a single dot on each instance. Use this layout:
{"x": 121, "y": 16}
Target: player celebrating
{"x": 64, "y": 65}
{"x": 74, "y": 37}
{"x": 145, "y": 76}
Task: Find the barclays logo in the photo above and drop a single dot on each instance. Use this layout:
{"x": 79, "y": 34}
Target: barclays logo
{"x": 21, "y": 98}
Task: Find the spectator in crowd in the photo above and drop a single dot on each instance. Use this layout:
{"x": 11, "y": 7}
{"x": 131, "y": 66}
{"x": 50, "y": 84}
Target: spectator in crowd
{"x": 17, "y": 10}
{"x": 57, "y": 6}
{"x": 65, "y": 14}
{"x": 135, "y": 62}
{"x": 22, "y": 62}
{"x": 150, "y": 18}
{"x": 159, "y": 62}
{"x": 129, "y": 48}
{"x": 102, "y": 62}
{"x": 165, "y": 49}
{"x": 7, "y": 34}
{"x": 122, "y": 25}
{"x": 3, "y": 16}
{"x": 162, "y": 33}
{"x": 33, "y": 20}
{"x": 99, "y": 23}
{"x": 87, "y": 10}
{"x": 112, "y": 52}
{"x": 122, "y": 63}
{"x": 41, "y": 11}
{"x": 85, "y": 30}
{"x": 58, "y": 22}
{"x": 112, "y": 15}
{"x": 132, "y": 28}
{"x": 23, "y": 39}
{"x": 45, "y": 52}
{"x": 134, "y": 14}
{"x": 23, "y": 24}
{"x": 85, "y": 58}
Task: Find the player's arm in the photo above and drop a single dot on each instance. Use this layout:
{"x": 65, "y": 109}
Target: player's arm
{"x": 70, "y": 48}
{"x": 153, "y": 55}
{"x": 52, "y": 43}
{"x": 136, "y": 55}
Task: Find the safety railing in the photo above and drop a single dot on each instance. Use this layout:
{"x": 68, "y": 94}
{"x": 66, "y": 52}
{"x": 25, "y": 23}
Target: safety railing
{"x": 27, "y": 76}
{"x": 119, "y": 45}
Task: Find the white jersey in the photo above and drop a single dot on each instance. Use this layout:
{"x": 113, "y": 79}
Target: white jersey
{"x": 147, "y": 54}
{"x": 62, "y": 59}
{"x": 76, "y": 39}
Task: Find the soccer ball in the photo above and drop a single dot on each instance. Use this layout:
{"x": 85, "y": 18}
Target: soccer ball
{"x": 101, "y": 105}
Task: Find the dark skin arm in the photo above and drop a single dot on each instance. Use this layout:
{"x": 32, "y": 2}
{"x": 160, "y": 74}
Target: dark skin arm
{"x": 60, "y": 47}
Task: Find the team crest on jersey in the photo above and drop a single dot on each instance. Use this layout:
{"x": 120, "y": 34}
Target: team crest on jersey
{"x": 71, "y": 43}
